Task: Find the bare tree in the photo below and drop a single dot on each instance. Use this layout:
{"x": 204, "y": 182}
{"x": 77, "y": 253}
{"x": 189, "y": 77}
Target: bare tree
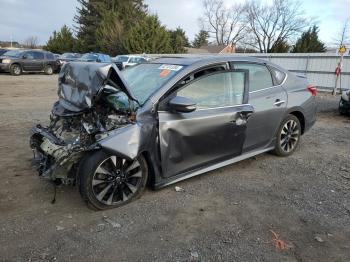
{"x": 271, "y": 24}
{"x": 344, "y": 37}
{"x": 31, "y": 42}
{"x": 224, "y": 24}
{"x": 342, "y": 41}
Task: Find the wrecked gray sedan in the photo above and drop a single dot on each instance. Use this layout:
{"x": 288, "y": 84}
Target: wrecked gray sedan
{"x": 111, "y": 133}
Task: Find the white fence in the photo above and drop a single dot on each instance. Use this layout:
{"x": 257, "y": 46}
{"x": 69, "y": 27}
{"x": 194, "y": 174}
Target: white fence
{"x": 319, "y": 68}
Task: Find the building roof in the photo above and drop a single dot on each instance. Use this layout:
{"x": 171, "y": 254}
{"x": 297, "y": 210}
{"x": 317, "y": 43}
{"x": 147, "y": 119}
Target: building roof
{"x": 208, "y": 49}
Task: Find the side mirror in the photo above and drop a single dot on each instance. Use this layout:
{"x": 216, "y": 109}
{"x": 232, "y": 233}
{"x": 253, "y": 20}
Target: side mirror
{"x": 182, "y": 104}
{"x": 25, "y": 56}
{"x": 98, "y": 60}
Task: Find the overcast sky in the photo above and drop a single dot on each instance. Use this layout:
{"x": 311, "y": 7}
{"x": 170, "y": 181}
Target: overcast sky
{"x": 23, "y": 18}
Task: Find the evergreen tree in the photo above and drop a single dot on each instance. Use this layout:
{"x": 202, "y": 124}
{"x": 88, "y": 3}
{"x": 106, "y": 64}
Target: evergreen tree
{"x": 101, "y": 23}
{"x": 179, "y": 41}
{"x": 280, "y": 46}
{"x": 148, "y": 36}
{"x": 62, "y": 41}
{"x": 87, "y": 24}
{"x": 309, "y": 42}
{"x": 200, "y": 39}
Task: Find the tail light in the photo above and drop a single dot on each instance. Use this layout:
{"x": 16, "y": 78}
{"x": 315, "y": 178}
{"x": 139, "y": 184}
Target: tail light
{"x": 312, "y": 89}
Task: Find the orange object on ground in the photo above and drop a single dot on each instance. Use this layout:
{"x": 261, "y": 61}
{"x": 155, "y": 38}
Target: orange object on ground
{"x": 279, "y": 243}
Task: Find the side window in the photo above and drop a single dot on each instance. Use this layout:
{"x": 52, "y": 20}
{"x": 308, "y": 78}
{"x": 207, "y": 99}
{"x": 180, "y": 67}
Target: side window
{"x": 216, "y": 90}
{"x": 203, "y": 72}
{"x": 278, "y": 75}
{"x": 38, "y": 55}
{"x": 259, "y": 75}
{"x": 50, "y": 56}
{"x": 29, "y": 55}
{"x": 133, "y": 60}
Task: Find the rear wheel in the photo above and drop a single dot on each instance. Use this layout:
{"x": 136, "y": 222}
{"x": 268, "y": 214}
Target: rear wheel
{"x": 48, "y": 70}
{"x": 15, "y": 70}
{"x": 288, "y": 136}
{"x": 109, "y": 181}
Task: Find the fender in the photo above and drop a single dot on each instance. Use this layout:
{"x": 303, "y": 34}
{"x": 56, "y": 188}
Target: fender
{"x": 125, "y": 141}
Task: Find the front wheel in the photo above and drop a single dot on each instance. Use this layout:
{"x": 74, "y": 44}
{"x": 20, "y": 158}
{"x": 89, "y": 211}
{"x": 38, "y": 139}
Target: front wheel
{"x": 15, "y": 70}
{"x": 288, "y": 136}
{"x": 109, "y": 181}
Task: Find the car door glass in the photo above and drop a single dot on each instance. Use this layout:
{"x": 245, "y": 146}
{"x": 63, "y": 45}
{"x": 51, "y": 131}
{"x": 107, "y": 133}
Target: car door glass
{"x": 259, "y": 76}
{"x": 132, "y": 60}
{"x": 278, "y": 75}
{"x": 29, "y": 55}
{"x": 38, "y": 55}
{"x": 216, "y": 90}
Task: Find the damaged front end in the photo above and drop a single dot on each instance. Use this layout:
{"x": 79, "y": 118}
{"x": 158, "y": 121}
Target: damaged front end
{"x": 93, "y": 100}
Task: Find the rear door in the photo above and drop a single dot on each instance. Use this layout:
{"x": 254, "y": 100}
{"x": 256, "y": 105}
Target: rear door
{"x": 269, "y": 100}
{"x": 214, "y": 132}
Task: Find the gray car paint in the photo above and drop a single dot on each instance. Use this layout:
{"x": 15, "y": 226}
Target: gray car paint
{"x": 143, "y": 137}
{"x": 180, "y": 145}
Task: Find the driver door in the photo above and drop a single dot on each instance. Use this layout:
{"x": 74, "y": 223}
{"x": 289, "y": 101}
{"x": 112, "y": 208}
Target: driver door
{"x": 214, "y": 132}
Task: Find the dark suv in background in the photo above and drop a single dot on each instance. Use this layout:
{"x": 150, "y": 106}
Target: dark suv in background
{"x": 18, "y": 61}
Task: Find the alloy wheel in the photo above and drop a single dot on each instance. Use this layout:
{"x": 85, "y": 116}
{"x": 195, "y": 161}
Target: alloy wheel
{"x": 116, "y": 180}
{"x": 289, "y": 136}
{"x": 16, "y": 70}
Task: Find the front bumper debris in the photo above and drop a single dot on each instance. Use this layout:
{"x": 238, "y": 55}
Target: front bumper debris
{"x": 54, "y": 159}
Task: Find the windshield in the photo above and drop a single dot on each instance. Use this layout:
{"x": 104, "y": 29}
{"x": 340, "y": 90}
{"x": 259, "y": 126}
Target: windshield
{"x": 13, "y": 53}
{"x": 144, "y": 79}
{"x": 89, "y": 57}
{"x": 121, "y": 58}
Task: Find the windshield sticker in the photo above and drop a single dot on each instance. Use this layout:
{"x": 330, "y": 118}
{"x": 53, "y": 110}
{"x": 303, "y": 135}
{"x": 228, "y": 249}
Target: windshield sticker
{"x": 164, "y": 73}
{"x": 170, "y": 67}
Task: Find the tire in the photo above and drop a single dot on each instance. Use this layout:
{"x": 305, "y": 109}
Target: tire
{"x": 288, "y": 136}
{"x": 108, "y": 181}
{"x": 15, "y": 70}
{"x": 48, "y": 70}
{"x": 342, "y": 112}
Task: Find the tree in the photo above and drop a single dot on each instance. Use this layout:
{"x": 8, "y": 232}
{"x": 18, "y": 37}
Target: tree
{"x": 31, "y": 42}
{"x": 200, "y": 39}
{"x": 309, "y": 42}
{"x": 62, "y": 41}
{"x": 179, "y": 41}
{"x": 271, "y": 24}
{"x": 148, "y": 36}
{"x": 224, "y": 24}
{"x": 343, "y": 38}
{"x": 101, "y": 23}
{"x": 281, "y": 46}
{"x": 87, "y": 18}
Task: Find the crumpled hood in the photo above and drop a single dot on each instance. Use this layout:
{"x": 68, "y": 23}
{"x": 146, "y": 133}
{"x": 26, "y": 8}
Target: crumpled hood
{"x": 79, "y": 83}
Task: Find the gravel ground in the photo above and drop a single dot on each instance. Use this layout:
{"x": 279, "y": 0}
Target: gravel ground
{"x": 224, "y": 215}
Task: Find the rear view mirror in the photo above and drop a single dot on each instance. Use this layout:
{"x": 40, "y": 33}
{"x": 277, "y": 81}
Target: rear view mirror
{"x": 182, "y": 104}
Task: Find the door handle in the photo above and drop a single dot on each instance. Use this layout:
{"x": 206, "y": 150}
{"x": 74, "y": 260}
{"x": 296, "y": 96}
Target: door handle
{"x": 279, "y": 102}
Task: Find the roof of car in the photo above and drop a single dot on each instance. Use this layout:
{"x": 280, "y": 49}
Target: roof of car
{"x": 194, "y": 59}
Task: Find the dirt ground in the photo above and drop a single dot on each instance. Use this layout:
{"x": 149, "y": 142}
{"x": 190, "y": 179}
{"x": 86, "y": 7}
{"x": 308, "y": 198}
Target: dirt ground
{"x": 224, "y": 215}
